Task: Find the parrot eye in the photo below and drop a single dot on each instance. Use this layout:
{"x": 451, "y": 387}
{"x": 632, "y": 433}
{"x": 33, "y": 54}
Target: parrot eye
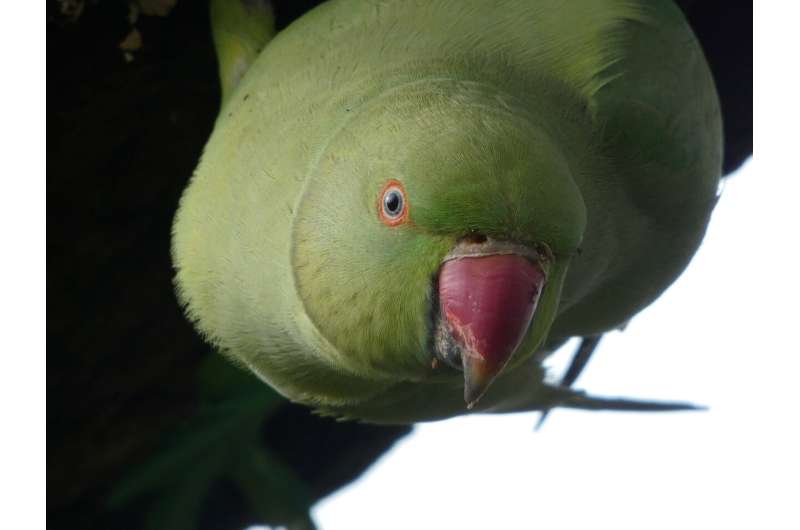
{"x": 393, "y": 206}
{"x": 392, "y": 203}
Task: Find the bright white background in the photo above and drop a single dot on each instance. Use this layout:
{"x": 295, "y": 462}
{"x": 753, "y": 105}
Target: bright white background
{"x": 724, "y": 335}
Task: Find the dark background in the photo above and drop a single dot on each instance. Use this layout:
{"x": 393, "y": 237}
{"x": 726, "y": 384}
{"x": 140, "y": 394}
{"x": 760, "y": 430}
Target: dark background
{"x": 126, "y": 389}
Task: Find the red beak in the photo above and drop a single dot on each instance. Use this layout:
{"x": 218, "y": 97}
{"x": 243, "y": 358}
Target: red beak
{"x": 487, "y": 303}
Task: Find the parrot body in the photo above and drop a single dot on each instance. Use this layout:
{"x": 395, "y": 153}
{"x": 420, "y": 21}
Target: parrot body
{"x": 386, "y": 171}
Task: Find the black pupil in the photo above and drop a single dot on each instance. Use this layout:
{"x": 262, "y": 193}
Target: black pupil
{"x": 393, "y": 202}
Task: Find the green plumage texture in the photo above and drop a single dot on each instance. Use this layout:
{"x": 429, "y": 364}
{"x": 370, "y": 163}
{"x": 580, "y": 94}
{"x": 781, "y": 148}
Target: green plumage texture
{"x": 590, "y": 127}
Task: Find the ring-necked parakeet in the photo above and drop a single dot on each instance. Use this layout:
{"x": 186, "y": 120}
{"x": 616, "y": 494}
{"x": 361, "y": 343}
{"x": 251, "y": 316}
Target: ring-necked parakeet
{"x": 404, "y": 206}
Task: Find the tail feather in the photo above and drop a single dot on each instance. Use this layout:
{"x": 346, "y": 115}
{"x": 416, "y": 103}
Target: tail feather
{"x": 579, "y": 361}
{"x": 580, "y": 400}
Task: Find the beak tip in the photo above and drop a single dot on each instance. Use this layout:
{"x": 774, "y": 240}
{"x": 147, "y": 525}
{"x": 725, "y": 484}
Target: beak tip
{"x": 478, "y": 376}
{"x": 471, "y": 396}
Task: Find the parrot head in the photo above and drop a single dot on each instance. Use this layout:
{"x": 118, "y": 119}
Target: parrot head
{"x": 434, "y": 234}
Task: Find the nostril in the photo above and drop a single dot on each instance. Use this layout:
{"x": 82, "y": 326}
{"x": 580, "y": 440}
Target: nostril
{"x": 475, "y": 239}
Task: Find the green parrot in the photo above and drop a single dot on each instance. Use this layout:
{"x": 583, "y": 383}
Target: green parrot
{"x": 405, "y": 206}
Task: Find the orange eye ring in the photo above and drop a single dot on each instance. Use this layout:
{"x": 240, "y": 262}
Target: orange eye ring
{"x": 393, "y": 204}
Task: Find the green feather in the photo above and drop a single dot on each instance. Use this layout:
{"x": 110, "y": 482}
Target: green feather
{"x": 241, "y": 29}
{"x": 591, "y": 129}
